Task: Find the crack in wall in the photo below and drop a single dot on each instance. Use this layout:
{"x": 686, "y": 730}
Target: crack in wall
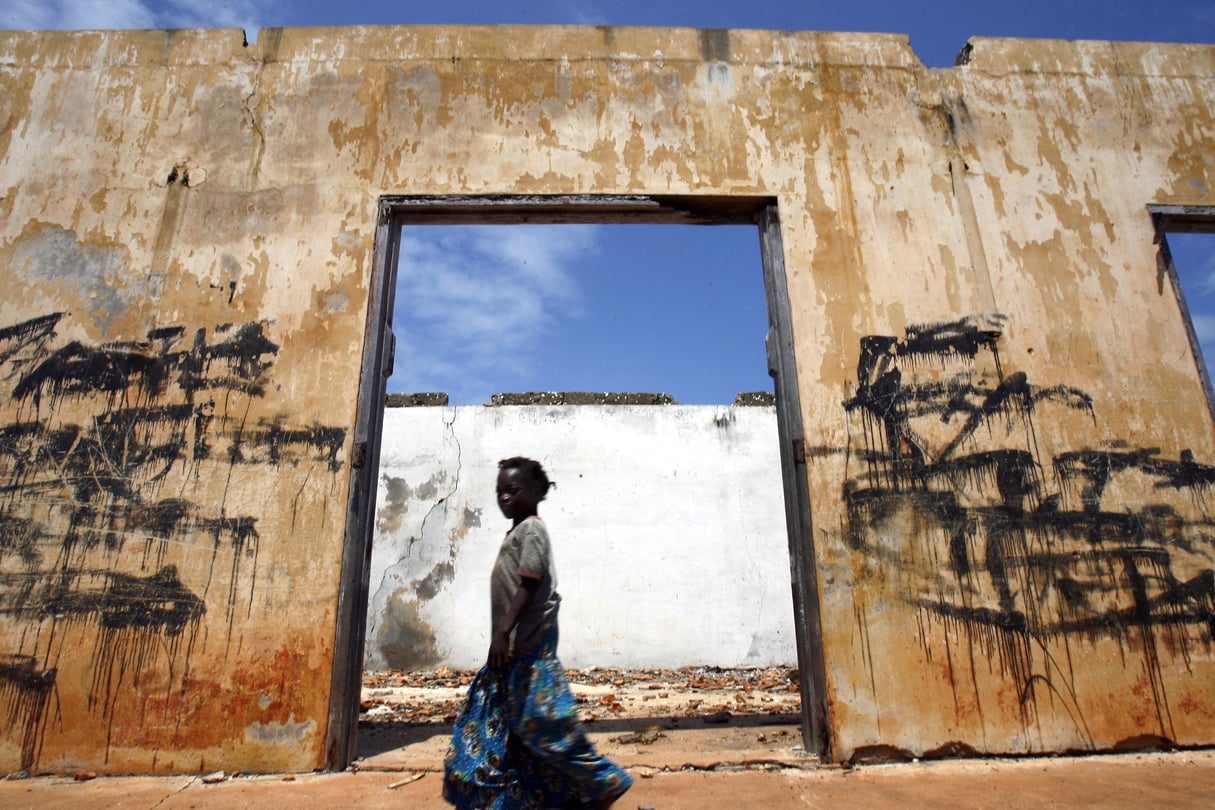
{"x": 942, "y": 109}
{"x": 380, "y": 597}
{"x": 442, "y": 502}
{"x": 255, "y": 126}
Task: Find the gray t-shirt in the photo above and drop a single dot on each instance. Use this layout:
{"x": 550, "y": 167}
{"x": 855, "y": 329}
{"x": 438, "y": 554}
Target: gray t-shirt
{"x": 525, "y": 553}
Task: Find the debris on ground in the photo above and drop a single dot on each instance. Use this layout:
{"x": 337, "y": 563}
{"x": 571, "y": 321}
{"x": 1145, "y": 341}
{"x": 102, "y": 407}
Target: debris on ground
{"x": 413, "y": 777}
{"x": 714, "y": 694}
{"x": 645, "y": 736}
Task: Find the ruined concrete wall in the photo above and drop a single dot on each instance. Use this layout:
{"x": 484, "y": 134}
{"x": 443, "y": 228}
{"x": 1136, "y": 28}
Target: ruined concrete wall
{"x": 668, "y": 529}
{"x": 181, "y": 299}
{"x": 1013, "y": 450}
{"x": 1009, "y": 443}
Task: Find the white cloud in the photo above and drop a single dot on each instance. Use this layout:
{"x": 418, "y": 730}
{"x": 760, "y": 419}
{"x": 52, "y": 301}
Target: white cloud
{"x": 581, "y": 12}
{"x": 1205, "y": 273}
{"x": 474, "y": 303}
{"x": 139, "y": 14}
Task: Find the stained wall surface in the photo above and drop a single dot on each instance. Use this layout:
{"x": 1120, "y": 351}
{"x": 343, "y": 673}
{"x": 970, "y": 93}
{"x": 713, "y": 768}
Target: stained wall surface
{"x": 1009, "y": 449}
{"x": 667, "y": 524}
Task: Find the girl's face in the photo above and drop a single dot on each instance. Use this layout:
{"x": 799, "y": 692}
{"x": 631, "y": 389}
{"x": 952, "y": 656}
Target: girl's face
{"x": 518, "y": 496}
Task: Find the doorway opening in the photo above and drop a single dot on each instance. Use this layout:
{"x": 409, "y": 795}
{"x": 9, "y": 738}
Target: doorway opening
{"x": 1186, "y": 258}
{"x": 520, "y": 276}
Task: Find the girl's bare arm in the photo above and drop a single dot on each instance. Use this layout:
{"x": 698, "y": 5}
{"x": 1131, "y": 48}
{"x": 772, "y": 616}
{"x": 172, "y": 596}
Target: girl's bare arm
{"x": 499, "y": 645}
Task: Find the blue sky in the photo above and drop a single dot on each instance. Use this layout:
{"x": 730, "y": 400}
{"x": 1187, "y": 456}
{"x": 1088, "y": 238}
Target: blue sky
{"x": 632, "y": 308}
{"x": 485, "y": 309}
{"x": 1194, "y": 256}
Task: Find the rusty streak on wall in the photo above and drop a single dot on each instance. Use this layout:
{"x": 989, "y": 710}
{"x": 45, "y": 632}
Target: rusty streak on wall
{"x": 1009, "y": 445}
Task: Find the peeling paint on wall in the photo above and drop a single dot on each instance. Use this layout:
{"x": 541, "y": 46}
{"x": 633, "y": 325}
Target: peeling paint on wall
{"x": 53, "y": 256}
{"x": 429, "y": 585}
{"x": 390, "y": 514}
{"x": 284, "y": 733}
{"x": 408, "y": 642}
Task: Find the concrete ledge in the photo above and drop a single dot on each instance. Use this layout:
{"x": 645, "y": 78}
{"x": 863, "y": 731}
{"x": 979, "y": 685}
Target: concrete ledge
{"x": 657, "y": 46}
{"x": 581, "y": 398}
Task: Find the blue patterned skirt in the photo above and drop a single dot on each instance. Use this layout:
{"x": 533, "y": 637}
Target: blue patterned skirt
{"x": 518, "y": 744}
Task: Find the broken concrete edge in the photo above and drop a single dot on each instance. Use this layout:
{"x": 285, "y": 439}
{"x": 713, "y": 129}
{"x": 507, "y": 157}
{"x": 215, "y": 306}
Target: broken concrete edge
{"x": 439, "y": 399}
{"x": 882, "y": 754}
{"x": 422, "y": 400}
{"x": 755, "y": 399}
{"x": 581, "y": 398}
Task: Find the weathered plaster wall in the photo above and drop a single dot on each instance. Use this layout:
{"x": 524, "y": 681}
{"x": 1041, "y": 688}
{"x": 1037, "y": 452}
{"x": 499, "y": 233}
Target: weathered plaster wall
{"x": 1024, "y": 533}
{"x": 1010, "y": 447}
{"x": 668, "y": 528}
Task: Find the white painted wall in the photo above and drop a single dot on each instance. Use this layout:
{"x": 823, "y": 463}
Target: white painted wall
{"x": 668, "y": 531}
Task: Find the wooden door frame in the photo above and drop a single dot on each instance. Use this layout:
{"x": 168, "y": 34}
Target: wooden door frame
{"x": 1168, "y": 219}
{"x": 378, "y": 349}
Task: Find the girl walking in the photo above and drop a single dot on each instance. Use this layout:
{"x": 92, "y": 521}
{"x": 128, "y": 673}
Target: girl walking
{"x": 517, "y": 742}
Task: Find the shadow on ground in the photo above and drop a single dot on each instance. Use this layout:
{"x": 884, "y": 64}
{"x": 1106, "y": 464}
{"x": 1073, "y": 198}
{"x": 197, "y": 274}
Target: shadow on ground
{"x": 660, "y": 743}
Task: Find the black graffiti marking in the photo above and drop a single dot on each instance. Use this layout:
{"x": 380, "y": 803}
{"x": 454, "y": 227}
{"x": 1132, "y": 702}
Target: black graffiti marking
{"x": 139, "y": 616}
{"x": 123, "y": 451}
{"x": 94, "y": 433}
{"x": 204, "y": 417}
{"x": 158, "y": 602}
{"x": 25, "y": 343}
{"x": 1014, "y": 399}
{"x": 78, "y": 370}
{"x": 941, "y": 342}
{"x": 60, "y": 594}
{"x": 887, "y": 400}
{"x": 242, "y": 532}
{"x": 237, "y": 361}
{"x": 275, "y": 445}
{"x": 1095, "y": 467}
{"x": 985, "y": 542}
{"x": 25, "y": 690}
{"x": 1184, "y": 473}
{"x": 239, "y": 356}
{"x": 20, "y": 535}
{"x": 35, "y": 330}
{"x": 163, "y": 520}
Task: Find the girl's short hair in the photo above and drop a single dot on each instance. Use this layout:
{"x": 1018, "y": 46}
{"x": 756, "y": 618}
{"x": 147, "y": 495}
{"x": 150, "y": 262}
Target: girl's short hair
{"x": 531, "y": 470}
